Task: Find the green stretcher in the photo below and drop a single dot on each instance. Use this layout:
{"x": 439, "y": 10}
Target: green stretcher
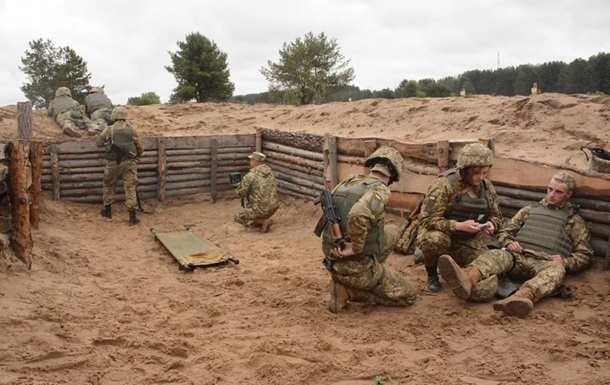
{"x": 192, "y": 250}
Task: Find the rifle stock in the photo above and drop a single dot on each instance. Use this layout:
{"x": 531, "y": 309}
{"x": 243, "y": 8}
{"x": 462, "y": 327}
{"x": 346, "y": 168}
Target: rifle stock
{"x": 333, "y": 220}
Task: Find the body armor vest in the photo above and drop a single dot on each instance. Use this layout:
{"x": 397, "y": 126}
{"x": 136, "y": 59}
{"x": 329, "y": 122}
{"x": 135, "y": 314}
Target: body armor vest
{"x": 345, "y": 197}
{"x": 122, "y": 137}
{"x": 97, "y": 101}
{"x": 544, "y": 230}
{"x": 62, "y": 104}
{"x": 465, "y": 207}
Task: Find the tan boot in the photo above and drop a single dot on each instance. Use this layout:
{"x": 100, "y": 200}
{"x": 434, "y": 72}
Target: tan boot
{"x": 266, "y": 224}
{"x": 71, "y": 131}
{"x": 518, "y": 304}
{"x": 459, "y": 280}
{"x": 341, "y": 295}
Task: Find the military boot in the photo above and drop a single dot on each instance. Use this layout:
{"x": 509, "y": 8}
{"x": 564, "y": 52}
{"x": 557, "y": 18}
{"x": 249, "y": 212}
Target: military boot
{"x": 340, "y": 295}
{"x": 518, "y": 304}
{"x": 266, "y": 224}
{"x": 132, "y": 218}
{"x": 106, "y": 211}
{"x": 71, "y": 131}
{"x": 461, "y": 281}
{"x": 434, "y": 284}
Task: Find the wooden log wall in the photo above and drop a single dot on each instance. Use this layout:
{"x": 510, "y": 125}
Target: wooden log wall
{"x": 169, "y": 167}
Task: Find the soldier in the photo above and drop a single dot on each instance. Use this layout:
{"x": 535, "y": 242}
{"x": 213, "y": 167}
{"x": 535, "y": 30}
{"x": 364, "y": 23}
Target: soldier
{"x": 98, "y": 106}
{"x": 542, "y": 243}
{"x": 258, "y": 190}
{"x": 357, "y": 271}
{"x": 67, "y": 113}
{"x": 123, "y": 147}
{"x": 458, "y": 207}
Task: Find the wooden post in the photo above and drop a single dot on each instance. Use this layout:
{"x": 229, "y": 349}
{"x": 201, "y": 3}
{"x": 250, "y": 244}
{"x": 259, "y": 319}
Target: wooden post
{"x": 55, "y": 171}
{"x": 24, "y": 120}
{"x": 161, "y": 168}
{"x": 21, "y": 234}
{"x": 442, "y": 151}
{"x": 607, "y": 258}
{"x": 259, "y": 140}
{"x": 214, "y": 168}
{"x": 36, "y": 150}
{"x": 332, "y": 161}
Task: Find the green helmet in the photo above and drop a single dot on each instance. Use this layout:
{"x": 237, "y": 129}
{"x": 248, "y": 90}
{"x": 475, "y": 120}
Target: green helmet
{"x": 475, "y": 155}
{"x": 389, "y": 157}
{"x": 63, "y": 91}
{"x": 96, "y": 90}
{"x": 119, "y": 113}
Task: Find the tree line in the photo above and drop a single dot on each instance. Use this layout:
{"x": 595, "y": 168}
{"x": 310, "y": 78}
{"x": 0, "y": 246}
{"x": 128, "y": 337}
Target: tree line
{"x": 309, "y": 70}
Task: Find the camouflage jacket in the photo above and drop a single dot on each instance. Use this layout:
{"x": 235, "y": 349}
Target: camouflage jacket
{"x": 582, "y": 253}
{"x": 440, "y": 199}
{"x": 259, "y": 187}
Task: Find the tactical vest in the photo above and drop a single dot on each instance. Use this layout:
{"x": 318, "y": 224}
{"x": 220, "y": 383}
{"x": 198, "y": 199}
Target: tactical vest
{"x": 544, "y": 230}
{"x": 465, "y": 207}
{"x": 97, "y": 101}
{"x": 62, "y": 104}
{"x": 345, "y": 197}
{"x": 121, "y": 136}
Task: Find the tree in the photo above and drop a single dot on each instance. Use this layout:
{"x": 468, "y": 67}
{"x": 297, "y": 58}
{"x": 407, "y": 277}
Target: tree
{"x": 310, "y": 69}
{"x": 147, "y": 98}
{"x": 200, "y": 68}
{"x": 577, "y": 77}
{"x": 48, "y": 67}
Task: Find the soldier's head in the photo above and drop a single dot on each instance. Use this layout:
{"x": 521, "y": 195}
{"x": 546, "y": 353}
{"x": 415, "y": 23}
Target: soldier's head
{"x": 63, "y": 91}
{"x": 257, "y": 158}
{"x": 118, "y": 113}
{"x": 97, "y": 90}
{"x": 560, "y": 188}
{"x": 387, "y": 161}
{"x": 474, "y": 162}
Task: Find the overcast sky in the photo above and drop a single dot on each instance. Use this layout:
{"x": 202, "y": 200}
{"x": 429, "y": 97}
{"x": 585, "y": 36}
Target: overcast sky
{"x": 126, "y": 43}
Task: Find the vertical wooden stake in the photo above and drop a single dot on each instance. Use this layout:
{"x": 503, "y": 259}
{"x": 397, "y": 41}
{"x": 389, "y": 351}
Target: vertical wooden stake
{"x": 161, "y": 168}
{"x": 442, "y": 151}
{"x": 332, "y": 161}
{"x": 36, "y": 151}
{"x": 21, "y": 233}
{"x": 55, "y": 171}
{"x": 214, "y": 168}
{"x": 259, "y": 140}
{"x": 24, "y": 120}
{"x": 607, "y": 258}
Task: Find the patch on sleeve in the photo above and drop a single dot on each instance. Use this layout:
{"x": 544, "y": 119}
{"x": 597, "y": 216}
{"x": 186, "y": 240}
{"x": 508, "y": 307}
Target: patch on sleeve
{"x": 376, "y": 202}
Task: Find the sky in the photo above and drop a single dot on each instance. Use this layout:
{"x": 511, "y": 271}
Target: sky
{"x": 126, "y": 43}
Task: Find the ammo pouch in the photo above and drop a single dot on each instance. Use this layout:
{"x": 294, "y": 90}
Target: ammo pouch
{"x": 408, "y": 234}
{"x": 76, "y": 113}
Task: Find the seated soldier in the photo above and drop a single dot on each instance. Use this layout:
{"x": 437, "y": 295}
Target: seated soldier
{"x": 68, "y": 114}
{"x": 541, "y": 243}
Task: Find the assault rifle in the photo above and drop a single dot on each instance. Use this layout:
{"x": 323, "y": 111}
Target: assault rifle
{"x": 235, "y": 180}
{"x": 598, "y": 152}
{"x": 330, "y": 217}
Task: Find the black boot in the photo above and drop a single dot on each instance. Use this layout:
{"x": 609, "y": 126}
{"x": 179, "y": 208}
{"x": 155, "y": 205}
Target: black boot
{"x": 106, "y": 211}
{"x": 132, "y": 218}
{"x": 434, "y": 284}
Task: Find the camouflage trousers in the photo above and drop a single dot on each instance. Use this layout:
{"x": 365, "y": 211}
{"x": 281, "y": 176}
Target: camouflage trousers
{"x": 128, "y": 172}
{"x": 543, "y": 276}
{"x": 248, "y": 214}
{"x": 380, "y": 284}
{"x": 101, "y": 116}
{"x": 434, "y": 243}
{"x": 65, "y": 120}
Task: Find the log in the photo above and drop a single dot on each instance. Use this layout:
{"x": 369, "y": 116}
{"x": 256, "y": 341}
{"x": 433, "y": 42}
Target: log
{"x": 310, "y": 142}
{"x": 36, "y": 150}
{"x": 279, "y": 148}
{"x": 214, "y": 169}
{"x": 188, "y": 151}
{"x": 298, "y": 174}
{"x": 295, "y": 167}
{"x": 442, "y": 149}
{"x": 607, "y": 256}
{"x": 333, "y": 175}
{"x": 295, "y": 194}
{"x": 97, "y": 198}
{"x": 370, "y": 146}
{"x": 161, "y": 170}
{"x": 299, "y": 189}
{"x": 21, "y": 233}
{"x": 588, "y": 215}
{"x": 24, "y": 120}
{"x": 55, "y": 172}
{"x": 536, "y": 196}
{"x": 188, "y": 184}
{"x": 299, "y": 181}
{"x": 296, "y": 160}
{"x": 258, "y": 143}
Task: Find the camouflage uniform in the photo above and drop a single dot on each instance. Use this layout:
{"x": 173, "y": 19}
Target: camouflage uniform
{"x": 452, "y": 199}
{"x": 259, "y": 190}
{"x": 121, "y": 135}
{"x": 361, "y": 202}
{"x": 99, "y": 107}
{"x": 544, "y": 276}
{"x": 68, "y": 114}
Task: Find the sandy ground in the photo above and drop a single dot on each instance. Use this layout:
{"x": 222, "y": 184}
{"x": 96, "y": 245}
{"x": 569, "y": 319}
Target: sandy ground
{"x": 106, "y": 304}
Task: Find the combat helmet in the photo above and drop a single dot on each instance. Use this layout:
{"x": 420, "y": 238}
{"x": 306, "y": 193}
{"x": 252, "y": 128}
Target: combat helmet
{"x": 96, "y": 90}
{"x": 475, "y": 155}
{"x": 388, "y": 157}
{"x": 63, "y": 91}
{"x": 119, "y": 113}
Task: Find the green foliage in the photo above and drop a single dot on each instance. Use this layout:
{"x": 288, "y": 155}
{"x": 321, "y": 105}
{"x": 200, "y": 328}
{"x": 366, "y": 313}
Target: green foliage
{"x": 379, "y": 380}
{"x": 48, "y": 67}
{"x": 309, "y": 70}
{"x": 200, "y": 68}
{"x": 147, "y": 98}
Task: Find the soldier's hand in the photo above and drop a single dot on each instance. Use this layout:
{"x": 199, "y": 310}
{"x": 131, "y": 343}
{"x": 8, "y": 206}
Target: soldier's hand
{"x": 514, "y": 246}
{"x": 557, "y": 259}
{"x": 469, "y": 226}
{"x": 348, "y": 251}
